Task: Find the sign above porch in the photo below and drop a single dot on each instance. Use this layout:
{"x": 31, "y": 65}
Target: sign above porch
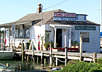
{"x": 59, "y": 16}
{"x": 85, "y": 28}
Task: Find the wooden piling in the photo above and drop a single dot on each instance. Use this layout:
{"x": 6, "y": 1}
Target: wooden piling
{"x": 22, "y": 51}
{"x": 20, "y": 67}
{"x": 37, "y": 59}
{"x": 94, "y": 57}
{"x": 28, "y": 66}
{"x": 7, "y": 65}
{"x": 42, "y": 60}
{"x": 80, "y": 47}
{"x": 65, "y": 51}
{"x": 56, "y": 61}
{"x": 65, "y": 56}
{"x": 50, "y": 55}
{"x": 28, "y": 57}
{"x": 32, "y": 55}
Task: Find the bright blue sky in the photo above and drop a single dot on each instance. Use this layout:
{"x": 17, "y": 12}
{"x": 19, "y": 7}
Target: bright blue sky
{"x": 12, "y": 10}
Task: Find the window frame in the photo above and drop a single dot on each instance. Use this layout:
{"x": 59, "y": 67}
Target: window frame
{"x": 23, "y": 33}
{"x": 85, "y": 37}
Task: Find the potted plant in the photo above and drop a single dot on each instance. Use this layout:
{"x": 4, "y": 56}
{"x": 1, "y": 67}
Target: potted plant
{"x": 77, "y": 45}
{"x": 52, "y": 44}
{"x": 73, "y": 44}
{"x": 46, "y": 45}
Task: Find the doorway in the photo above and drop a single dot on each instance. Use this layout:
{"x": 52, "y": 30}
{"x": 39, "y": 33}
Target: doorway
{"x": 59, "y": 37}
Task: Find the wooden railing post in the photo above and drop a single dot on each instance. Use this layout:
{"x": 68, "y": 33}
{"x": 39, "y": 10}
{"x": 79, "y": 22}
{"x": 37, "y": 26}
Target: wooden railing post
{"x": 65, "y": 51}
{"x": 50, "y": 55}
{"x": 94, "y": 57}
{"x": 42, "y": 60}
{"x": 22, "y": 51}
{"x": 65, "y": 55}
{"x": 81, "y": 47}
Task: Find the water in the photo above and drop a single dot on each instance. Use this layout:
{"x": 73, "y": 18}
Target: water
{"x": 22, "y": 65}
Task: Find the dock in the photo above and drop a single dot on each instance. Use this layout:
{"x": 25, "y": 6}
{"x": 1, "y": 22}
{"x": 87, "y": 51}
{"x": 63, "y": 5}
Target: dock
{"x": 91, "y": 57}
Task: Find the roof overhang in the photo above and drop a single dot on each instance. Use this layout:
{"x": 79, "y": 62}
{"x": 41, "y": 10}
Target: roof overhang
{"x": 7, "y": 25}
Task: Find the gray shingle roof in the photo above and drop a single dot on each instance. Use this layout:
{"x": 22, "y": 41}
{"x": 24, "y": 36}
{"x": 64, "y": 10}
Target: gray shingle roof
{"x": 48, "y": 19}
{"x": 46, "y": 16}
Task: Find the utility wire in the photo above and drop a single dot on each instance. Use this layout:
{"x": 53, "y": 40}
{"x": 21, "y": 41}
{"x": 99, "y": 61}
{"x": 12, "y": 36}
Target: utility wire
{"x": 55, "y": 5}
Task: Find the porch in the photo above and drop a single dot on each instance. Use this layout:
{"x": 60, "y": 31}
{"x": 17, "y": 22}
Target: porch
{"x": 62, "y": 35}
{"x": 12, "y": 32}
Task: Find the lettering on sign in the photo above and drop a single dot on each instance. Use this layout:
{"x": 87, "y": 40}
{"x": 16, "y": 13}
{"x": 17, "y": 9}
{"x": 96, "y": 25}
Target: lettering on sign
{"x": 58, "y": 14}
{"x": 85, "y": 28}
{"x": 64, "y": 19}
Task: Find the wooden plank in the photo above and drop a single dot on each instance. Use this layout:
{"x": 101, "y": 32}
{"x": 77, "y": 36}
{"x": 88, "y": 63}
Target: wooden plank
{"x": 61, "y": 54}
{"x": 88, "y": 59}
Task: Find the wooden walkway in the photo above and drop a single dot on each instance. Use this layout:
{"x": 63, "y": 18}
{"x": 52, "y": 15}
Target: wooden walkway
{"x": 70, "y": 55}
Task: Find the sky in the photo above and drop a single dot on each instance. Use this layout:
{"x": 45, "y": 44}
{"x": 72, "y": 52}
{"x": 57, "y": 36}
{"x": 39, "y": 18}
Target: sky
{"x": 12, "y": 10}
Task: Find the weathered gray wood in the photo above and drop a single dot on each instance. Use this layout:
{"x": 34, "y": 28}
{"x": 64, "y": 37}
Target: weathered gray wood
{"x": 37, "y": 59}
{"x": 81, "y": 47}
{"x": 70, "y": 55}
{"x": 22, "y": 51}
{"x": 28, "y": 57}
{"x": 94, "y": 57}
{"x": 56, "y": 61}
{"x": 50, "y": 55}
{"x": 28, "y": 66}
{"x": 65, "y": 55}
{"x": 42, "y": 60}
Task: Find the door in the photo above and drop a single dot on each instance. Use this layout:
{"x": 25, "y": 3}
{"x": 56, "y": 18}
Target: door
{"x": 59, "y": 37}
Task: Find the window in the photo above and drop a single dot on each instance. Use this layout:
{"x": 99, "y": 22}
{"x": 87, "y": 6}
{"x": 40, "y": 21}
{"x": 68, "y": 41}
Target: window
{"x": 27, "y": 33}
{"x": 16, "y": 33}
{"x": 85, "y": 39}
{"x": 22, "y": 33}
{"x": 85, "y": 36}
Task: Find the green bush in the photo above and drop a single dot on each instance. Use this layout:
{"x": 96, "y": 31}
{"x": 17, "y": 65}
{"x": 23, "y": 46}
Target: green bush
{"x": 73, "y": 61}
{"x": 99, "y": 61}
{"x": 81, "y": 67}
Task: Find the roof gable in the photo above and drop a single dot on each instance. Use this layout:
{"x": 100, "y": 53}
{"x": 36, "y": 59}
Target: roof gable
{"x": 45, "y": 16}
